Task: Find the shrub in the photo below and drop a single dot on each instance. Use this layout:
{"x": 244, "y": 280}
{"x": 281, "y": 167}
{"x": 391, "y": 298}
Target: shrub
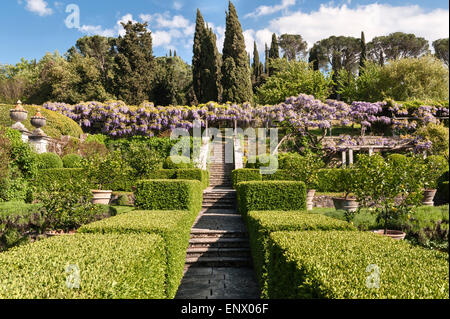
{"x": 45, "y": 177}
{"x": 163, "y": 174}
{"x": 276, "y": 195}
{"x": 262, "y": 224}
{"x": 176, "y": 162}
{"x": 169, "y": 195}
{"x": 304, "y": 168}
{"x": 435, "y": 166}
{"x": 336, "y": 265}
{"x": 49, "y": 160}
{"x": 173, "y": 226}
{"x": 72, "y": 161}
{"x": 398, "y": 160}
{"x": 142, "y": 160}
{"x": 111, "y": 267}
{"x": 67, "y": 205}
{"x": 438, "y": 135}
{"x": 194, "y": 174}
{"x": 245, "y": 175}
{"x": 279, "y": 175}
{"x": 262, "y": 161}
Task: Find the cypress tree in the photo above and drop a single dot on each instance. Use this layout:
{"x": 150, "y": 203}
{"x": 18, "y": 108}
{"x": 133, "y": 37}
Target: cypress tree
{"x": 274, "y": 52}
{"x": 363, "y": 56}
{"x": 134, "y": 64}
{"x": 200, "y": 31}
{"x": 236, "y": 74}
{"x": 266, "y": 66}
{"x": 256, "y": 66}
{"x": 314, "y": 58}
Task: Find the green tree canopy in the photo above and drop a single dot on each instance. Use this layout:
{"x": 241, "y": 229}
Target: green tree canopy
{"x": 236, "y": 75}
{"x": 441, "y": 50}
{"x": 293, "y": 46}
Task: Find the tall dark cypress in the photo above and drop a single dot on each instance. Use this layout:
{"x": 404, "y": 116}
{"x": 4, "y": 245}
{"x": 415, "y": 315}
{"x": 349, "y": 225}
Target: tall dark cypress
{"x": 200, "y": 31}
{"x": 266, "y": 64}
{"x": 236, "y": 74}
{"x": 256, "y": 63}
{"x": 274, "y": 52}
{"x": 363, "y": 57}
{"x": 211, "y": 73}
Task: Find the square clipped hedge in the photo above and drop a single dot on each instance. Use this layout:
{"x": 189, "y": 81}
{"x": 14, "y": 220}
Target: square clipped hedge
{"x": 271, "y": 195}
{"x": 45, "y": 177}
{"x": 340, "y": 264}
{"x": 169, "y": 195}
{"x": 245, "y": 175}
{"x": 188, "y": 174}
{"x": 173, "y": 226}
{"x": 279, "y": 175}
{"x": 261, "y": 224}
{"x": 110, "y": 267}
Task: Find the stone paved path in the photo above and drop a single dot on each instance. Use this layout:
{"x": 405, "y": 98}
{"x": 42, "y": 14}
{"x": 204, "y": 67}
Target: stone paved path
{"x": 218, "y": 261}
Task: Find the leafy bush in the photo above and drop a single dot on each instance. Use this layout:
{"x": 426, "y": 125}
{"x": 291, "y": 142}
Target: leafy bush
{"x": 245, "y": 175}
{"x": 304, "y": 168}
{"x": 45, "y": 177}
{"x": 261, "y": 161}
{"x": 49, "y": 160}
{"x": 273, "y": 195}
{"x": 177, "y": 162}
{"x": 17, "y": 219}
{"x": 262, "y": 224}
{"x": 72, "y": 161}
{"x": 398, "y": 160}
{"x": 435, "y": 166}
{"x": 163, "y": 174}
{"x": 194, "y": 174}
{"x": 67, "y": 205}
{"x": 443, "y": 192}
{"x": 169, "y": 195}
{"x": 142, "y": 160}
{"x": 173, "y": 226}
{"x": 111, "y": 267}
{"x": 438, "y": 135}
{"x": 304, "y": 265}
{"x": 279, "y": 175}
{"x": 289, "y": 79}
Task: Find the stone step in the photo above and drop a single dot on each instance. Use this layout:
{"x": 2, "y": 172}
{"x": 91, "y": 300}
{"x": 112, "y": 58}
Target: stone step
{"x": 218, "y": 262}
{"x": 218, "y": 242}
{"x": 220, "y": 195}
{"x": 213, "y": 233}
{"x": 218, "y": 252}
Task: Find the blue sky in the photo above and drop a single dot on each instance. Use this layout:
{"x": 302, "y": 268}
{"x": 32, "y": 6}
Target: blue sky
{"x": 30, "y": 28}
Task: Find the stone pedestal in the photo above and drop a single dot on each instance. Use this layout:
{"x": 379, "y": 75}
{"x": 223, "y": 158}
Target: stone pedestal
{"x": 39, "y": 143}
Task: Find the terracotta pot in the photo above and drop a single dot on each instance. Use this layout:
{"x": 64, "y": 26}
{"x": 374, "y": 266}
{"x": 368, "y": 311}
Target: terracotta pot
{"x": 101, "y": 197}
{"x": 310, "y": 199}
{"x": 394, "y": 234}
{"x": 428, "y": 197}
{"x": 348, "y": 204}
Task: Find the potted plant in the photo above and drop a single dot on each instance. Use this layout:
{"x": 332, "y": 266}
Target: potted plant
{"x": 102, "y": 173}
{"x": 345, "y": 181}
{"x": 305, "y": 169}
{"x": 18, "y": 115}
{"x": 378, "y": 183}
{"x": 434, "y": 167}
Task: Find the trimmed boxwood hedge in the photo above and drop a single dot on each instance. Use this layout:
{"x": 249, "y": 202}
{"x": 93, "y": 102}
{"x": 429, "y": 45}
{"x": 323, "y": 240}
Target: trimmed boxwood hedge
{"x": 261, "y": 224}
{"x": 45, "y": 177}
{"x": 271, "y": 195}
{"x": 173, "y": 226}
{"x": 334, "y": 265}
{"x": 328, "y": 178}
{"x": 110, "y": 266}
{"x": 245, "y": 175}
{"x": 169, "y": 195}
{"x": 188, "y": 173}
{"x": 72, "y": 161}
{"x": 48, "y": 161}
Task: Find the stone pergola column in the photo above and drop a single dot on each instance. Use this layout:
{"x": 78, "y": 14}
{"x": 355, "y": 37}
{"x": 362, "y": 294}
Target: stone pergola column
{"x": 344, "y": 158}
{"x": 370, "y": 151}
{"x": 350, "y": 156}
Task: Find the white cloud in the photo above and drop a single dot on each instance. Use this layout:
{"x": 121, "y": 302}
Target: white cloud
{"x": 99, "y": 30}
{"x": 177, "y": 5}
{"x": 266, "y": 10}
{"x": 38, "y": 6}
{"x": 374, "y": 19}
{"x": 169, "y": 31}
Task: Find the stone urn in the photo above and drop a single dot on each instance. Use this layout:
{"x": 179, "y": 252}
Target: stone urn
{"x": 38, "y": 121}
{"x": 310, "y": 199}
{"x": 18, "y": 115}
{"x": 394, "y": 234}
{"x": 349, "y": 204}
{"x": 101, "y": 197}
{"x": 428, "y": 197}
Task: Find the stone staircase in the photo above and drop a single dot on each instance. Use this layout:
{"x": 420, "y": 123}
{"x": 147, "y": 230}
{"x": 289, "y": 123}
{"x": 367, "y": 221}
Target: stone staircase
{"x": 219, "y": 237}
{"x": 218, "y": 261}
